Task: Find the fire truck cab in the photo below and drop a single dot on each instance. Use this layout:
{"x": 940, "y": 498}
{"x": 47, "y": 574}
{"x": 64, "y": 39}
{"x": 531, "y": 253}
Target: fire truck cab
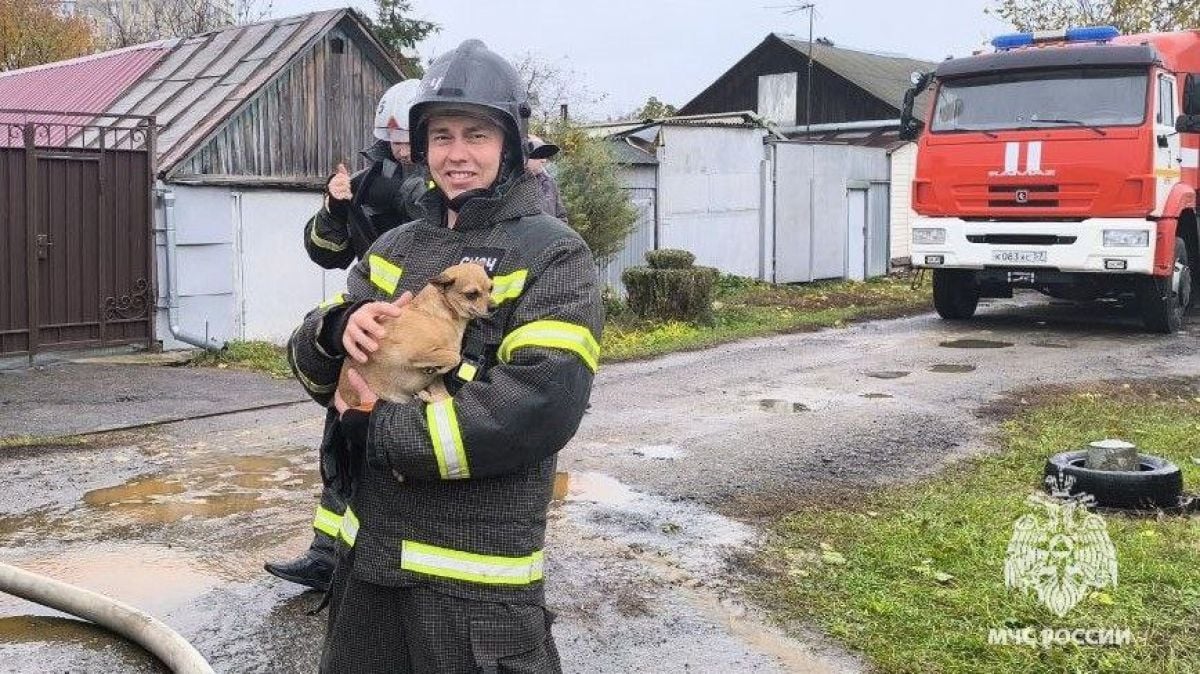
{"x": 1063, "y": 161}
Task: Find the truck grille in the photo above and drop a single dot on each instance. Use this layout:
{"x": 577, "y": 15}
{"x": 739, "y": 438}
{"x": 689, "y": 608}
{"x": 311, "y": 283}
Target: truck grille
{"x": 1023, "y": 196}
{"x": 1022, "y": 239}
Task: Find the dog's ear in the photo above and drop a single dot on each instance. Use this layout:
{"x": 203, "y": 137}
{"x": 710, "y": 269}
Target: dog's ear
{"x": 442, "y": 280}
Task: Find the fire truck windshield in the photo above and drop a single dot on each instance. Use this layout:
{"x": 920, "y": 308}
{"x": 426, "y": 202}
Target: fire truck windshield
{"x": 1087, "y": 97}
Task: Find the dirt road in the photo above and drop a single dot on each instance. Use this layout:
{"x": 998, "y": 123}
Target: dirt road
{"x": 678, "y": 463}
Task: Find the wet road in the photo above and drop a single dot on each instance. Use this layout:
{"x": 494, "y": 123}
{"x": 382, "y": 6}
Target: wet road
{"x": 676, "y": 466}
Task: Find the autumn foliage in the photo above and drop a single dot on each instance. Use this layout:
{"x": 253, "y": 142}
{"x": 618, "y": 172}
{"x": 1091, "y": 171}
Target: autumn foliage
{"x": 33, "y": 32}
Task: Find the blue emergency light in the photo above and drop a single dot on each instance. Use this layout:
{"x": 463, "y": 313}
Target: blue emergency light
{"x": 1084, "y": 34}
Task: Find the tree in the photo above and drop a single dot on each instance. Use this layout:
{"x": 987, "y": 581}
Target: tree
{"x": 597, "y": 207}
{"x": 654, "y": 109}
{"x": 1130, "y": 16}
{"x": 397, "y": 32}
{"x": 551, "y": 84}
{"x": 33, "y": 33}
{"x": 121, "y": 23}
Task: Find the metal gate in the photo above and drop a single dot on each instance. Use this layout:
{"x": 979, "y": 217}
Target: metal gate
{"x": 76, "y": 247}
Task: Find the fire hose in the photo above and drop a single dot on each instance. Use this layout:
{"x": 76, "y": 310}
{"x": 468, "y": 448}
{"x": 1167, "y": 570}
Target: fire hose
{"x": 139, "y": 627}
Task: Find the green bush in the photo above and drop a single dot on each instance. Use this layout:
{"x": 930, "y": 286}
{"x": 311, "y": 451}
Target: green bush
{"x": 670, "y": 258}
{"x": 670, "y": 294}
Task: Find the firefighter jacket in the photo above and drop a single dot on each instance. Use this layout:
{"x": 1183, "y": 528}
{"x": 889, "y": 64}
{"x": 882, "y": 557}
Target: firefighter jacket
{"x": 384, "y": 196}
{"x": 469, "y": 516}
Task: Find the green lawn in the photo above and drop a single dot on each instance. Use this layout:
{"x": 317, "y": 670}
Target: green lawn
{"x": 742, "y": 309}
{"x": 913, "y": 576}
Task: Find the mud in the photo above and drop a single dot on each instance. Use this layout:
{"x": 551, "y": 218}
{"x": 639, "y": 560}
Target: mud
{"x": 674, "y": 473}
{"x": 974, "y": 344}
{"x": 951, "y": 368}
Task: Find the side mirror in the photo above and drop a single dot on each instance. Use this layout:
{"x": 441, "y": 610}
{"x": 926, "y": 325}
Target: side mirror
{"x": 1191, "y": 95}
{"x": 1187, "y": 123}
{"x": 910, "y": 127}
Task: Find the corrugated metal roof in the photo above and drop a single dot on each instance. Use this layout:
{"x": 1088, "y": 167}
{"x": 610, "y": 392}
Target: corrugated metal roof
{"x": 206, "y": 77}
{"x": 191, "y": 86}
{"x": 89, "y": 85}
{"x": 885, "y": 77}
{"x": 625, "y": 153}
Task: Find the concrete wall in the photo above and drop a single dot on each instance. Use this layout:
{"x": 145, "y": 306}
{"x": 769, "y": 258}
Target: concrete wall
{"x": 242, "y": 269}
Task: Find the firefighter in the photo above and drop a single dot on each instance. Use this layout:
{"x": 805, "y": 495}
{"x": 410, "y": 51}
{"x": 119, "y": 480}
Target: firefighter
{"x": 357, "y": 209}
{"x": 441, "y": 564}
{"x": 540, "y": 152}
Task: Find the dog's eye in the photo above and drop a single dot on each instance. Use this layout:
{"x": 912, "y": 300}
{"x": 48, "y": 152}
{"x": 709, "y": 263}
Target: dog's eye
{"x": 430, "y": 370}
{"x": 471, "y": 295}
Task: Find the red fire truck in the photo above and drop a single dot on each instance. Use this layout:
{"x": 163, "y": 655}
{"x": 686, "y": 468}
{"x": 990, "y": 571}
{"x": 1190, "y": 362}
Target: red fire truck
{"x": 1064, "y": 161}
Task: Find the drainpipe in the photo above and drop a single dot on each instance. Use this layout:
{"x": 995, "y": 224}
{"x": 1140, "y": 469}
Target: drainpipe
{"x": 172, "y": 275}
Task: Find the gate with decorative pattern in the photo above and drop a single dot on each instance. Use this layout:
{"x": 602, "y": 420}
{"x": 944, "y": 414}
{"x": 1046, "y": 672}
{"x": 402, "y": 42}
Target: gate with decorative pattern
{"x": 76, "y": 231}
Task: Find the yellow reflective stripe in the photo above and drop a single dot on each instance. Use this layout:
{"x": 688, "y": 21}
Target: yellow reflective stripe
{"x": 509, "y": 286}
{"x": 467, "y": 371}
{"x": 384, "y": 274}
{"x": 447, "y": 440}
{"x": 324, "y": 243}
{"x": 349, "y": 528}
{"x": 336, "y": 299}
{"x": 553, "y": 335}
{"x": 304, "y": 380}
{"x": 491, "y": 569}
{"x": 327, "y": 522}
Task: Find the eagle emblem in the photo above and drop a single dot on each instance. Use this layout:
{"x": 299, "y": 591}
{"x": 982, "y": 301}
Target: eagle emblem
{"x": 1065, "y": 554}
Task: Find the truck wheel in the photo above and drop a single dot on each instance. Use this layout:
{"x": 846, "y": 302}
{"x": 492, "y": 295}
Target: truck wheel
{"x": 955, "y": 294}
{"x": 1164, "y": 300}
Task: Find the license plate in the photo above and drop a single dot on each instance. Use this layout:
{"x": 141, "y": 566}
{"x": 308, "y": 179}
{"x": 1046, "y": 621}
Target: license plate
{"x": 1019, "y": 256}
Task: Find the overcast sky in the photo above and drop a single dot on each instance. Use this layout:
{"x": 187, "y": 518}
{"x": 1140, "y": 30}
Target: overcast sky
{"x": 673, "y": 49}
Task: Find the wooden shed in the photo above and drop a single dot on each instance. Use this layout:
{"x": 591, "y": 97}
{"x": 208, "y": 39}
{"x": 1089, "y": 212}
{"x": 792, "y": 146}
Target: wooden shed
{"x": 242, "y": 127}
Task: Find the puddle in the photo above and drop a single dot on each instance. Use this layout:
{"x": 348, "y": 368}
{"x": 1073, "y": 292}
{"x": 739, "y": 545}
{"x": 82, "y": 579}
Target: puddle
{"x": 155, "y": 579}
{"x": 975, "y": 344}
{"x": 211, "y": 490}
{"x": 1051, "y": 345}
{"x": 782, "y": 406}
{"x": 53, "y": 630}
{"x": 888, "y": 374}
{"x": 951, "y": 368}
{"x": 696, "y": 536}
{"x": 665, "y": 452}
{"x": 875, "y": 396}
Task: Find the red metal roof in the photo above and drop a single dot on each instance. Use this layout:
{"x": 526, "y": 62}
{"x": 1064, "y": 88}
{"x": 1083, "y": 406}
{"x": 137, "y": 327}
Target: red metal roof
{"x": 86, "y": 84}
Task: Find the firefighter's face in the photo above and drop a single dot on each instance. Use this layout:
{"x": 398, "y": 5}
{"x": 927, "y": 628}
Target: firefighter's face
{"x": 464, "y": 153}
{"x": 400, "y": 151}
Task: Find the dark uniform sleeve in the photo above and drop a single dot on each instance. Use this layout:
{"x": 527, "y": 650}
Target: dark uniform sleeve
{"x": 315, "y": 364}
{"x": 326, "y": 237}
{"x": 532, "y": 400}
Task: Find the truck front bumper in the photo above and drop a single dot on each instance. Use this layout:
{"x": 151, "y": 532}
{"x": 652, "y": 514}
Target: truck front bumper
{"x": 1062, "y": 246}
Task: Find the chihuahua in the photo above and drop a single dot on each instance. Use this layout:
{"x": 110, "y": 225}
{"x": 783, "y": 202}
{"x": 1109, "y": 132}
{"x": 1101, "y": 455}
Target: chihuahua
{"x": 425, "y": 340}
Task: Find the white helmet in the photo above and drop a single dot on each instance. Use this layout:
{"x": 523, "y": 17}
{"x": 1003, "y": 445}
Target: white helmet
{"x": 391, "y": 117}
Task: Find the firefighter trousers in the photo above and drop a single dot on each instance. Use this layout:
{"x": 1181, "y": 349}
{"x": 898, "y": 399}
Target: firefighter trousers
{"x": 418, "y": 630}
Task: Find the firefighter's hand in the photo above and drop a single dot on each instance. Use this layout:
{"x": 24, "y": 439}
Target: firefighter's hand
{"x": 366, "y": 396}
{"x": 339, "y": 184}
{"x": 364, "y": 329}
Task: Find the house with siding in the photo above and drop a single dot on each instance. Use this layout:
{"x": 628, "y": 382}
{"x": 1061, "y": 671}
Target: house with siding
{"x": 240, "y": 129}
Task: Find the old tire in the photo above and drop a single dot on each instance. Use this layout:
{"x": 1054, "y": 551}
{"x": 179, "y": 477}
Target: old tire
{"x": 1158, "y": 483}
{"x": 955, "y": 294}
{"x": 1163, "y": 301}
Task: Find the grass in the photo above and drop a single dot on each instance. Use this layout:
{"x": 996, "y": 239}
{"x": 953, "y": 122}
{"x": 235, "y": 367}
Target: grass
{"x": 248, "y": 355}
{"x": 35, "y": 441}
{"x": 745, "y": 308}
{"x": 913, "y": 576}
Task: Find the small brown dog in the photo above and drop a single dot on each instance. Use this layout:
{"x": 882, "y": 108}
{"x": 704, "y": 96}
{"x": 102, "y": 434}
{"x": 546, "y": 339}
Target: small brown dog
{"x": 425, "y": 340}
